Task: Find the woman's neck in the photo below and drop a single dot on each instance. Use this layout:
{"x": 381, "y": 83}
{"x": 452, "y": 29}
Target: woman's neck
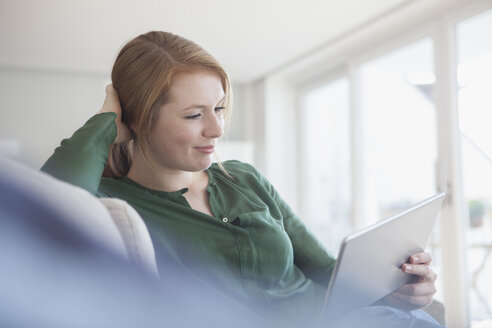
{"x": 164, "y": 179}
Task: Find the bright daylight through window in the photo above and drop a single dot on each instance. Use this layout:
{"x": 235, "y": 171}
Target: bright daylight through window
{"x": 475, "y": 112}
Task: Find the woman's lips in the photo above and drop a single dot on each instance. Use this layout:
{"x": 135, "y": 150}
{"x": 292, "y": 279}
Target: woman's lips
{"x": 206, "y": 149}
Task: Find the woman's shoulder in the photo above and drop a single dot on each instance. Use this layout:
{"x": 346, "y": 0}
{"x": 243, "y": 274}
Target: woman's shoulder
{"x": 237, "y": 165}
{"x": 237, "y": 168}
{"x": 240, "y": 172}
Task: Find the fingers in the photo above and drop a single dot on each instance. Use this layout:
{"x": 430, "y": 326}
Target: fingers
{"x": 421, "y": 270}
{"x": 111, "y": 102}
{"x": 110, "y": 88}
{"x": 420, "y": 293}
{"x": 419, "y": 264}
{"x": 421, "y": 258}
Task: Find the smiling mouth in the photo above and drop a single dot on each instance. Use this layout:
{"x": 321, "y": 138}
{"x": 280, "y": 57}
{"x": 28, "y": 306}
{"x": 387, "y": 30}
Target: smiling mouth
{"x": 206, "y": 150}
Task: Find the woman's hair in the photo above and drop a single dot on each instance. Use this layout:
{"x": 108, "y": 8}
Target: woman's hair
{"x": 142, "y": 75}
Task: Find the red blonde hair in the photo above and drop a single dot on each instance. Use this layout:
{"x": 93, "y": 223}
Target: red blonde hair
{"x": 142, "y": 75}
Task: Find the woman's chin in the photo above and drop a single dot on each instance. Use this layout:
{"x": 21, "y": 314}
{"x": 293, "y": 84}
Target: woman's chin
{"x": 202, "y": 164}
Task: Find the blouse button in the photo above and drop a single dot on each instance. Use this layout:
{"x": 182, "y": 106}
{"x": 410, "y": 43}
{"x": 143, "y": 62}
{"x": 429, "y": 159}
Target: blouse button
{"x": 225, "y": 220}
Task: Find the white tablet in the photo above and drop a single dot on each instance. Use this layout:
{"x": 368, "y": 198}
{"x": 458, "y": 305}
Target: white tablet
{"x": 369, "y": 262}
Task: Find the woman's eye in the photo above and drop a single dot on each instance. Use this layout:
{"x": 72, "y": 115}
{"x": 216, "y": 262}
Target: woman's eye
{"x": 193, "y": 116}
{"x": 216, "y": 109}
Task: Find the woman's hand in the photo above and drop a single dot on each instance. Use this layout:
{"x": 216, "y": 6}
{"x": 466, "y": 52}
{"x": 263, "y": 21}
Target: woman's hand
{"x": 420, "y": 293}
{"x": 112, "y": 104}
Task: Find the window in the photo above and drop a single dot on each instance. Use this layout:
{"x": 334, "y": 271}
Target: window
{"x": 369, "y": 146}
{"x": 398, "y": 130}
{"x": 475, "y": 119}
{"x": 325, "y": 152}
{"x": 398, "y": 147}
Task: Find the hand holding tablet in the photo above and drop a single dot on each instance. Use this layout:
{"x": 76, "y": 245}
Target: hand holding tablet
{"x": 418, "y": 294}
{"x": 385, "y": 262}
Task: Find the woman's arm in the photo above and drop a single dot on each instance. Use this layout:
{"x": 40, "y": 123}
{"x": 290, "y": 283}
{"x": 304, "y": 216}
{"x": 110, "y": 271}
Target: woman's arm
{"x": 310, "y": 256}
{"x": 81, "y": 159}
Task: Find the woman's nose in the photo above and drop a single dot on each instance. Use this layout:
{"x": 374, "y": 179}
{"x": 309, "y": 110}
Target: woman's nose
{"x": 214, "y": 127}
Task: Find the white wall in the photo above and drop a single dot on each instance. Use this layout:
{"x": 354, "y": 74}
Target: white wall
{"x": 40, "y": 108}
{"x": 269, "y": 118}
{"x": 235, "y": 144}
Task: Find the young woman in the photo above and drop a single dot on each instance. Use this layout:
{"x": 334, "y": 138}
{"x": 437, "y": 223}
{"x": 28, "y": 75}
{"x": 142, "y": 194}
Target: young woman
{"x": 224, "y": 223}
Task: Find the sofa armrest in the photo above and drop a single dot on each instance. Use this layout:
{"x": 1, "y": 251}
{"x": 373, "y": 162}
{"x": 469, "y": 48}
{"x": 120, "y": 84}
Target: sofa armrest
{"x": 74, "y": 204}
{"x": 134, "y": 232}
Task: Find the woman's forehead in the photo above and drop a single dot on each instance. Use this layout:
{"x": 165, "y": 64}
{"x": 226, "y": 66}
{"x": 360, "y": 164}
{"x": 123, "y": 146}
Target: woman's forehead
{"x": 200, "y": 86}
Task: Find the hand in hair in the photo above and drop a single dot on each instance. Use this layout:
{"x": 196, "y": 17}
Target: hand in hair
{"x": 112, "y": 104}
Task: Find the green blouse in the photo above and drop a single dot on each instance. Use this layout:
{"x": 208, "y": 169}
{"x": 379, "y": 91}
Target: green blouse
{"x": 254, "y": 248}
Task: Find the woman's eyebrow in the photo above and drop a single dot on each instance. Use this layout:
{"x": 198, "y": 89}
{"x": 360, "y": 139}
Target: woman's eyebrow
{"x": 194, "y": 106}
{"x": 201, "y": 106}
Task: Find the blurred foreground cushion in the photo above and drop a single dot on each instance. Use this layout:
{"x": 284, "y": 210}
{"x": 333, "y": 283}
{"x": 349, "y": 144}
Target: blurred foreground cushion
{"x": 72, "y": 203}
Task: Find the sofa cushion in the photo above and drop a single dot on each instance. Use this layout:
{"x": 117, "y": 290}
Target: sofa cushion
{"x": 72, "y": 203}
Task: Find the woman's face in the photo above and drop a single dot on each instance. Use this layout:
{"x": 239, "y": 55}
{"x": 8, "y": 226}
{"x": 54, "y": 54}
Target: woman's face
{"x": 189, "y": 124}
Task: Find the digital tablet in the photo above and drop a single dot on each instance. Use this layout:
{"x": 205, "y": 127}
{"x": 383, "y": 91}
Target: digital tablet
{"x": 369, "y": 262}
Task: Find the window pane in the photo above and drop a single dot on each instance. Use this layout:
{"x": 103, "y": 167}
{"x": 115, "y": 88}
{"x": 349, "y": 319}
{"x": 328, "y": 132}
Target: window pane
{"x": 475, "y": 112}
{"x": 399, "y": 130}
{"x": 325, "y": 167}
{"x": 399, "y": 135}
